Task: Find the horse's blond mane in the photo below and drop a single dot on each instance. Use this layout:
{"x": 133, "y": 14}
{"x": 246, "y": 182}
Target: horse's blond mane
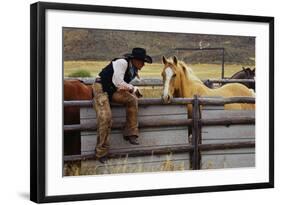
{"x": 189, "y": 72}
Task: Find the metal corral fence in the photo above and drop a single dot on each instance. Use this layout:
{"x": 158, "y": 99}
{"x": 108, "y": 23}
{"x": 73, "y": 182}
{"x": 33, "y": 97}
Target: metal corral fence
{"x": 193, "y": 147}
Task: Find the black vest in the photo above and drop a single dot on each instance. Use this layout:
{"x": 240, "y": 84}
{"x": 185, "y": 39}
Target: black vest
{"x": 106, "y": 78}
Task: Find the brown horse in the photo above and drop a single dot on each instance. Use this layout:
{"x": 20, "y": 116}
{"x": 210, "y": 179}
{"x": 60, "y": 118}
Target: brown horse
{"x": 180, "y": 81}
{"x": 74, "y": 90}
{"x": 245, "y": 73}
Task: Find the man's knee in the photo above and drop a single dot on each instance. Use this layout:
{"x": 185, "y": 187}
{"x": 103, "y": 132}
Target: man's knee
{"x": 103, "y": 110}
{"x": 105, "y": 118}
{"x": 132, "y": 99}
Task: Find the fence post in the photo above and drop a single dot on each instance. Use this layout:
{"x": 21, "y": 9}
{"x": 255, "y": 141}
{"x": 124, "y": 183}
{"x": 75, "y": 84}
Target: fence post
{"x": 72, "y": 139}
{"x": 196, "y": 132}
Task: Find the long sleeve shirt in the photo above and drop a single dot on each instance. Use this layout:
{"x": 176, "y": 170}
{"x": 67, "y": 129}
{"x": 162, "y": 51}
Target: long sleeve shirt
{"x": 119, "y": 67}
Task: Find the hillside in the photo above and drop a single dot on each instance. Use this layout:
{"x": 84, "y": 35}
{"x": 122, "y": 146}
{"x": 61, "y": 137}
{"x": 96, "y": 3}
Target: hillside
{"x": 96, "y": 44}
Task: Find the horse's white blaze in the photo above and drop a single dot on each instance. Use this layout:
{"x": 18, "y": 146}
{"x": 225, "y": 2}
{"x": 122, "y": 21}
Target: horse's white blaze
{"x": 169, "y": 74}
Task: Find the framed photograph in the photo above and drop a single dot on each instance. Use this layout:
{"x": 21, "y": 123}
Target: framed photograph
{"x": 129, "y": 102}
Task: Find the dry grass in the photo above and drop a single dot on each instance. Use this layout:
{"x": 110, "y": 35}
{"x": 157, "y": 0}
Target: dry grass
{"x": 122, "y": 165}
{"x": 149, "y": 92}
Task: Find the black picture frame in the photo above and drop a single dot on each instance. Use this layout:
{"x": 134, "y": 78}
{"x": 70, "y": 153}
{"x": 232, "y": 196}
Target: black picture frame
{"x": 38, "y": 101}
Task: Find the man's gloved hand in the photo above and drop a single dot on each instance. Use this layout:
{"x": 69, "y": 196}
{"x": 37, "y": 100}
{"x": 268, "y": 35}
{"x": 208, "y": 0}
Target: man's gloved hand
{"x": 137, "y": 92}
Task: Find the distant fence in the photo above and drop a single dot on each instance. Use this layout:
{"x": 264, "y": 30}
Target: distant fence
{"x": 159, "y": 118}
{"x": 159, "y": 82}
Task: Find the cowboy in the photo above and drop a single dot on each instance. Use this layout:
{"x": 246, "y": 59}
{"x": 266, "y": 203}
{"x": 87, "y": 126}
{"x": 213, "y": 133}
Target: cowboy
{"x": 112, "y": 85}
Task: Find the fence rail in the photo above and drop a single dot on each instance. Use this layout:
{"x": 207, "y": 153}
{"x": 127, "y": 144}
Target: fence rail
{"x": 175, "y": 101}
{"x": 164, "y": 150}
{"x": 165, "y": 123}
{"x": 142, "y": 124}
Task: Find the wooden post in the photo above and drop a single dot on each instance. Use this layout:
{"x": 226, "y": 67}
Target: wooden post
{"x": 72, "y": 139}
{"x": 222, "y": 64}
{"x": 199, "y": 134}
{"x": 195, "y": 160}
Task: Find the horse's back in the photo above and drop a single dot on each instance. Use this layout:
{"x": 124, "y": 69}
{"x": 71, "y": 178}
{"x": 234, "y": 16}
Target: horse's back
{"x": 239, "y": 106}
{"x": 76, "y": 90}
{"x": 236, "y": 89}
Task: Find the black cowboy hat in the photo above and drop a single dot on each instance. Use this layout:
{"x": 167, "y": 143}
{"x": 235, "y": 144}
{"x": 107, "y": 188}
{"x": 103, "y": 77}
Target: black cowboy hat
{"x": 139, "y": 53}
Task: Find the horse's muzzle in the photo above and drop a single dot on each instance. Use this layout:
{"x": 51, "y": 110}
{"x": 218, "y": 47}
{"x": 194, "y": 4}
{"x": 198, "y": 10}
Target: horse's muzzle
{"x": 166, "y": 98}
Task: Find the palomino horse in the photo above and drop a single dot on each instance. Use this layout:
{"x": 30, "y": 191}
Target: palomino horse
{"x": 180, "y": 81}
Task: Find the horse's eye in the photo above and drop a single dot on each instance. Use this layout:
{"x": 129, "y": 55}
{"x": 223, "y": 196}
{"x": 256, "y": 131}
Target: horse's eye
{"x": 174, "y": 75}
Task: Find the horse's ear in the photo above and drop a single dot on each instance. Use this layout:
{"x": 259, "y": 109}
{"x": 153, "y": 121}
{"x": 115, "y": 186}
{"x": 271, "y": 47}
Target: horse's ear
{"x": 243, "y": 68}
{"x": 164, "y": 60}
{"x": 175, "y": 59}
{"x": 254, "y": 70}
